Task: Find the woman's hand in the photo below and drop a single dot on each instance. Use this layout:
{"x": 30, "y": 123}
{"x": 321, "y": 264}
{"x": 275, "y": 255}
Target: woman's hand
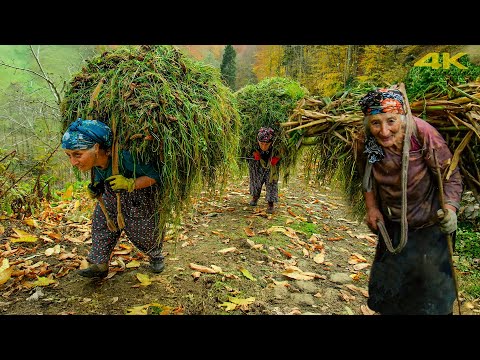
{"x": 448, "y": 220}
{"x": 372, "y": 217}
{"x": 373, "y": 212}
{"x": 274, "y": 160}
{"x": 120, "y": 182}
{"x": 95, "y": 190}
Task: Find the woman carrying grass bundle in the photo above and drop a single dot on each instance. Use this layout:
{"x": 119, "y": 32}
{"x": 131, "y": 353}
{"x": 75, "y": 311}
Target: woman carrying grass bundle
{"x": 412, "y": 271}
{"x": 263, "y": 169}
{"x": 88, "y": 145}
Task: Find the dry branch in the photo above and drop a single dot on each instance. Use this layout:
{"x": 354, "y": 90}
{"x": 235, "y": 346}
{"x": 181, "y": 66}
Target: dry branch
{"x": 456, "y": 118}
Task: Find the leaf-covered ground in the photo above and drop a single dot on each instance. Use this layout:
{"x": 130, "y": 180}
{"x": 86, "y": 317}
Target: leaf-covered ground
{"x": 228, "y": 258}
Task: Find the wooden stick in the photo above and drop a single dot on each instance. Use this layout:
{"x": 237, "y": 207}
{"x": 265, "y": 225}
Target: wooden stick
{"x": 449, "y": 236}
{"x": 120, "y": 219}
{"x": 110, "y": 223}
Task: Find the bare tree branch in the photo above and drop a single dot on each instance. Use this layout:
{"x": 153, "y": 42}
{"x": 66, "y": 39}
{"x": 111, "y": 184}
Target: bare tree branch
{"x": 42, "y": 75}
{"x": 46, "y": 78}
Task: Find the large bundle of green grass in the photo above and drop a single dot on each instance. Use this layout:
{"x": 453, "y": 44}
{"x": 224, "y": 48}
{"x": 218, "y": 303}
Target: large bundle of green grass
{"x": 168, "y": 109}
{"x": 268, "y": 104}
{"x": 425, "y": 82}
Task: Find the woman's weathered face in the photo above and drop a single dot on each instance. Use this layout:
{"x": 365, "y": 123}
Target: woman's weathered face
{"x": 84, "y": 160}
{"x": 264, "y": 145}
{"x": 387, "y": 129}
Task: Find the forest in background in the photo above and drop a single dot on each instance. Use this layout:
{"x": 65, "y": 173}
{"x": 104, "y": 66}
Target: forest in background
{"x": 36, "y": 177}
{"x": 33, "y": 78}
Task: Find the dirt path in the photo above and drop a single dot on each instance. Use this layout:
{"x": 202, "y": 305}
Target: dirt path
{"x": 309, "y": 257}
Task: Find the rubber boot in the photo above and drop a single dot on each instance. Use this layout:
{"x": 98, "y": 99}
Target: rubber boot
{"x": 157, "y": 265}
{"x": 270, "y": 208}
{"x": 94, "y": 271}
{"x": 254, "y": 201}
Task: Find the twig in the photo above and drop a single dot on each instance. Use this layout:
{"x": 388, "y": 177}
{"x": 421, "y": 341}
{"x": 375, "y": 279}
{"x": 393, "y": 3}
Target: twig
{"x": 449, "y": 237}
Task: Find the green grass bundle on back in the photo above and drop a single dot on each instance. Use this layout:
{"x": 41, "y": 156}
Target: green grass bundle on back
{"x": 170, "y": 110}
{"x": 426, "y": 82}
{"x": 268, "y": 104}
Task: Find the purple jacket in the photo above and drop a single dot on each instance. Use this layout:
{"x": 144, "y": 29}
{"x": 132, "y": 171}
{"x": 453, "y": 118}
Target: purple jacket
{"x": 422, "y": 191}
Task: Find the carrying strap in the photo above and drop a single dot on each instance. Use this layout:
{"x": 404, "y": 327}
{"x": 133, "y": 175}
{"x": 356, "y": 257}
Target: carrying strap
{"x": 405, "y": 162}
{"x": 367, "y": 182}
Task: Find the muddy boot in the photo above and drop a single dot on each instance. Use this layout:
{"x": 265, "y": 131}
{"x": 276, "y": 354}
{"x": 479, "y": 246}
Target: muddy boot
{"x": 94, "y": 271}
{"x": 253, "y": 202}
{"x": 270, "y": 208}
{"x": 157, "y": 265}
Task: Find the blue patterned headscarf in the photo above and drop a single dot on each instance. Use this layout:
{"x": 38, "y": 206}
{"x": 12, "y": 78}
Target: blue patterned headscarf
{"x": 373, "y": 150}
{"x": 83, "y": 134}
{"x": 382, "y": 101}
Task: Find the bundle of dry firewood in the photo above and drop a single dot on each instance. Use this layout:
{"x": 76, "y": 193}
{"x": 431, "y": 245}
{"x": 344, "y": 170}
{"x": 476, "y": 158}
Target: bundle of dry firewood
{"x": 332, "y": 126}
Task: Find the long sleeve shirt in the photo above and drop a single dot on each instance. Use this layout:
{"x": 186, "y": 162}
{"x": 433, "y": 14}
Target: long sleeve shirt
{"x": 129, "y": 168}
{"x": 422, "y": 188}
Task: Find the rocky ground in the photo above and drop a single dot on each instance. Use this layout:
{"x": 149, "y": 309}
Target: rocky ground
{"x": 308, "y": 258}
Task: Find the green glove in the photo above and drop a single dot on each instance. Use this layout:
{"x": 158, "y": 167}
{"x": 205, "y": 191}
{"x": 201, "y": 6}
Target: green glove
{"x": 120, "y": 182}
{"x": 448, "y": 221}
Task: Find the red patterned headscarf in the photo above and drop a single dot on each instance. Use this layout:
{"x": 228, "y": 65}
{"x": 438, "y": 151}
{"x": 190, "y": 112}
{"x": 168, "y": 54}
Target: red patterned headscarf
{"x": 382, "y": 101}
{"x": 265, "y": 134}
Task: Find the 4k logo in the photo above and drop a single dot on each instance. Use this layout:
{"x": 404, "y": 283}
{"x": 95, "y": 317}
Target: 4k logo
{"x": 446, "y": 61}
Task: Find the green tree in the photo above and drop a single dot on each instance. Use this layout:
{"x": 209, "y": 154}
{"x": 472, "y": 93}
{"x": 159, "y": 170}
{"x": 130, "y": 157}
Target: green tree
{"x": 245, "y": 64}
{"x": 294, "y": 61}
{"x": 228, "y": 67}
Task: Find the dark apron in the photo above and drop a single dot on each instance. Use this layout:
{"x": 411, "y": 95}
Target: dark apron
{"x": 418, "y": 280}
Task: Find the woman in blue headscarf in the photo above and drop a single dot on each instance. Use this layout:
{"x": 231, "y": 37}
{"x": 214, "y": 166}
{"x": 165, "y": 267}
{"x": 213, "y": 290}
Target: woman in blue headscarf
{"x": 87, "y": 143}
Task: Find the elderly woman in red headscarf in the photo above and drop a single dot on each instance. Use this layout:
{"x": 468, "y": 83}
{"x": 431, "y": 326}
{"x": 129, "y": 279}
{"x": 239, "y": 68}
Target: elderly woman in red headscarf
{"x": 263, "y": 169}
{"x": 411, "y": 272}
